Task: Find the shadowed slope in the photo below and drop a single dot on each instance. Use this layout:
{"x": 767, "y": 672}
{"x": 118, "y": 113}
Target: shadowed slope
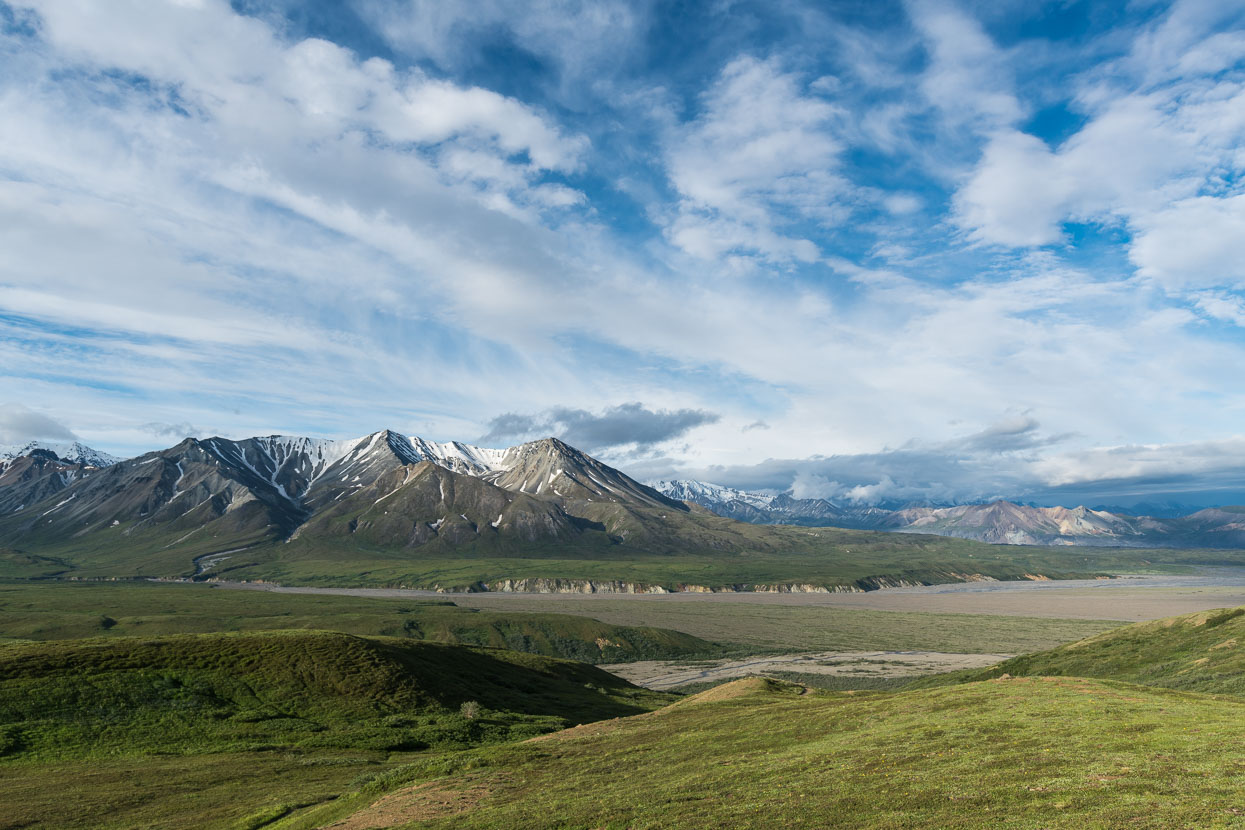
{"x": 205, "y": 693}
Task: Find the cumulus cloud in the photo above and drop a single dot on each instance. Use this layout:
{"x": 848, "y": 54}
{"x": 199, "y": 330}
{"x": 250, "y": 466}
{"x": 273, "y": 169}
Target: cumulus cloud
{"x": 1157, "y": 154}
{"x": 1000, "y": 461}
{"x": 967, "y": 76}
{"x": 576, "y": 36}
{"x": 205, "y": 213}
{"x": 762, "y": 154}
{"x": 1017, "y": 432}
{"x": 1194, "y": 242}
{"x": 628, "y": 424}
{"x": 172, "y": 431}
{"x": 19, "y": 424}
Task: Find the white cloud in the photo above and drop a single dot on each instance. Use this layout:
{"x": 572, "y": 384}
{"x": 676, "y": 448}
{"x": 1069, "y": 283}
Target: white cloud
{"x": 1193, "y": 242}
{"x": 19, "y": 424}
{"x": 902, "y": 204}
{"x": 1017, "y": 196}
{"x": 1221, "y": 306}
{"x": 1159, "y": 156}
{"x": 584, "y": 39}
{"x": 1126, "y": 163}
{"x": 1206, "y": 464}
{"x": 203, "y": 222}
{"x": 760, "y": 155}
{"x": 968, "y": 78}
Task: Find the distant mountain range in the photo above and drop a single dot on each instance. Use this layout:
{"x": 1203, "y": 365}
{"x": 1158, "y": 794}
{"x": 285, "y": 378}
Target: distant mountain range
{"x": 999, "y": 522}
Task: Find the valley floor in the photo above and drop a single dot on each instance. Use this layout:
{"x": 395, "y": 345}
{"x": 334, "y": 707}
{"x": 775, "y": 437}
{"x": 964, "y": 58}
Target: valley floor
{"x": 665, "y": 675}
{"x": 1032, "y": 752}
{"x": 1130, "y": 597}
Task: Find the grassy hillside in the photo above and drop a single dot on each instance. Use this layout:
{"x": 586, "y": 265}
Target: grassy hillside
{"x": 62, "y": 610}
{"x": 1031, "y": 753}
{"x": 209, "y": 692}
{"x": 1202, "y": 652}
{"x": 317, "y": 705}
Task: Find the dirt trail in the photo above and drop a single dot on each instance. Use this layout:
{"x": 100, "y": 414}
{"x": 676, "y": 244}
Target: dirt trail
{"x": 669, "y": 674}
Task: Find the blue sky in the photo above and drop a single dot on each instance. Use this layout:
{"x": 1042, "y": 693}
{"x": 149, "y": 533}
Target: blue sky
{"x": 867, "y": 251}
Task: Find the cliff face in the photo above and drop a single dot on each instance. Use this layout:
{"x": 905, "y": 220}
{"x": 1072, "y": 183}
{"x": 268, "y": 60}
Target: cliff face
{"x": 541, "y": 585}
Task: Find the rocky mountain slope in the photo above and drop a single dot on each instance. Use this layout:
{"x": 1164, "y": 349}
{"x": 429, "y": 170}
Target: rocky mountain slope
{"x": 36, "y": 471}
{"x": 999, "y": 522}
{"x": 382, "y": 490}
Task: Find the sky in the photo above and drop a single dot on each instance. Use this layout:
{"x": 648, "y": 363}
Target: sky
{"x": 869, "y": 251}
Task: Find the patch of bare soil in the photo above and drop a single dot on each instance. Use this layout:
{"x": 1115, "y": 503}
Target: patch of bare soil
{"x": 739, "y": 688}
{"x": 435, "y": 799}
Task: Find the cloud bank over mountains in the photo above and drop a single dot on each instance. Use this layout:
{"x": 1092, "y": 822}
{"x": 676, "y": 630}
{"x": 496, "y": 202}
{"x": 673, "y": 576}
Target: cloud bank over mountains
{"x": 941, "y": 250}
{"x": 967, "y": 472}
{"x": 622, "y": 426}
{"x": 20, "y": 424}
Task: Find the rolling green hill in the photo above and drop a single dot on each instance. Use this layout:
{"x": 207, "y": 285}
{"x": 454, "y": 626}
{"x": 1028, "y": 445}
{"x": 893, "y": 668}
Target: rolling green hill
{"x": 1202, "y": 652}
{"x": 295, "y": 730}
{"x": 199, "y": 693}
{"x": 1025, "y": 753}
{"x": 215, "y": 727}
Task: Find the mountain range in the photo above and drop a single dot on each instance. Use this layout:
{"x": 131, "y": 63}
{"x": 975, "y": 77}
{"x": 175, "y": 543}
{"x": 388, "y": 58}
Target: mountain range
{"x": 998, "y": 522}
{"x": 385, "y": 489}
{"x": 391, "y": 509}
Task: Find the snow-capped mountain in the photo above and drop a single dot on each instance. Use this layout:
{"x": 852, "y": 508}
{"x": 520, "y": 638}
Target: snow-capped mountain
{"x": 702, "y": 492}
{"x": 31, "y": 478}
{"x": 758, "y": 508}
{"x": 385, "y": 490}
{"x": 72, "y": 452}
{"x": 37, "y": 470}
{"x": 1004, "y": 522}
{"x": 998, "y": 522}
{"x": 389, "y": 491}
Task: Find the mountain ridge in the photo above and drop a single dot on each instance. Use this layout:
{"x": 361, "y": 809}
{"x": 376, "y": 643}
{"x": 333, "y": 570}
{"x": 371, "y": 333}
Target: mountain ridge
{"x": 73, "y": 452}
{"x": 389, "y": 509}
{"x": 996, "y": 522}
{"x": 271, "y": 486}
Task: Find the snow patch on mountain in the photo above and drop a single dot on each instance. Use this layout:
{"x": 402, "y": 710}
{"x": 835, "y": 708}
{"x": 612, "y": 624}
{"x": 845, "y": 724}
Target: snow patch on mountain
{"x": 703, "y": 493}
{"x": 73, "y": 452}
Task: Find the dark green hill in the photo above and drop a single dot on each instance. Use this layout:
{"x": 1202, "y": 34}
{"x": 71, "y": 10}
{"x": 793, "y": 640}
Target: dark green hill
{"x": 1202, "y": 652}
{"x": 307, "y": 689}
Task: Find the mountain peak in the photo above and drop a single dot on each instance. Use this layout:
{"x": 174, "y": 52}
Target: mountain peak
{"x": 72, "y": 452}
